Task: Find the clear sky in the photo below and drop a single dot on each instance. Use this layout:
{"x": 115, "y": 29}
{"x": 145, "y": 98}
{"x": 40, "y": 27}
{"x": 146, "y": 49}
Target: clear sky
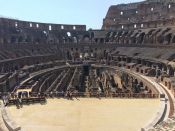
{"x": 88, "y": 12}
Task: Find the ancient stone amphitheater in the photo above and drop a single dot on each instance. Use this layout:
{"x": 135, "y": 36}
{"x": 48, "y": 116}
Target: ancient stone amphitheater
{"x": 131, "y": 57}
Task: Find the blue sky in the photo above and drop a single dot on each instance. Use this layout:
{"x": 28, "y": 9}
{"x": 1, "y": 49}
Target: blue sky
{"x": 89, "y": 12}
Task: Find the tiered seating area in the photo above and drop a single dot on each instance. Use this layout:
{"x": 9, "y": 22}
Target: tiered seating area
{"x": 13, "y": 54}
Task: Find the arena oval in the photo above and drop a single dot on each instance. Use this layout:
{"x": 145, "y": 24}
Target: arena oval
{"x": 100, "y": 82}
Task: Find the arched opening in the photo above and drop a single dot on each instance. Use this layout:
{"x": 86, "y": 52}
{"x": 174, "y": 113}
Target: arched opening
{"x": 37, "y": 40}
{"x": 16, "y": 24}
{"x": 104, "y": 53}
{"x": 50, "y": 27}
{"x": 152, "y": 9}
{"x": 45, "y": 33}
{"x": 63, "y": 39}
{"x": 173, "y": 40}
{"x": 169, "y": 6}
{"x": 142, "y": 35}
{"x": 68, "y": 34}
{"x": 75, "y": 39}
{"x": 5, "y": 40}
{"x": 142, "y": 25}
{"x": 68, "y": 55}
{"x": 101, "y": 40}
{"x": 86, "y": 38}
{"x": 168, "y": 38}
{"x": 62, "y": 27}
{"x": 30, "y": 24}
{"x": 135, "y": 26}
{"x": 141, "y": 84}
{"x": 28, "y": 39}
{"x": 37, "y": 25}
{"x": 20, "y": 39}
{"x": 150, "y": 32}
{"x": 160, "y": 39}
{"x": 122, "y": 26}
{"x": 74, "y": 27}
{"x": 13, "y": 39}
{"x": 135, "y": 81}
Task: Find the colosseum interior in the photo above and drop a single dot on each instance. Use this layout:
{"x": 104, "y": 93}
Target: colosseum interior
{"x": 67, "y": 78}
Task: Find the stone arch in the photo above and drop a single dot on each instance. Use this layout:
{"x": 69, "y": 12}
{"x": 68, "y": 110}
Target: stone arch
{"x": 75, "y": 39}
{"x": 86, "y": 38}
{"x": 102, "y": 40}
{"x": 28, "y": 39}
{"x": 173, "y": 39}
{"x": 69, "y": 34}
{"x": 63, "y": 39}
{"x": 69, "y": 39}
{"x": 68, "y": 55}
{"x": 20, "y": 39}
{"x": 136, "y": 81}
{"x": 141, "y": 84}
{"x": 141, "y": 37}
{"x": 13, "y": 39}
{"x": 37, "y": 40}
{"x": 168, "y": 38}
{"x": 160, "y": 39}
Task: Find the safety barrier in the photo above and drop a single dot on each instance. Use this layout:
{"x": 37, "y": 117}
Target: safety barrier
{"x": 10, "y": 124}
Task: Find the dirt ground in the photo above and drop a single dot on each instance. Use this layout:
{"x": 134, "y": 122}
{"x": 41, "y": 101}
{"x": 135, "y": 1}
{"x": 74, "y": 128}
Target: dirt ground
{"x": 86, "y": 115}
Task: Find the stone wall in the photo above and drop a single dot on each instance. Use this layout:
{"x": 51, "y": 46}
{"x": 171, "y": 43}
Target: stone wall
{"x": 140, "y": 15}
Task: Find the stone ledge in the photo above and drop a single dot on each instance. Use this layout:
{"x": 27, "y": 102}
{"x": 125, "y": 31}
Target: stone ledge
{"x": 162, "y": 111}
{"x": 10, "y": 124}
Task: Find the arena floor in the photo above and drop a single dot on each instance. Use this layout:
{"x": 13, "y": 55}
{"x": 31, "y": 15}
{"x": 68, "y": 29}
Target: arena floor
{"x": 86, "y": 115}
